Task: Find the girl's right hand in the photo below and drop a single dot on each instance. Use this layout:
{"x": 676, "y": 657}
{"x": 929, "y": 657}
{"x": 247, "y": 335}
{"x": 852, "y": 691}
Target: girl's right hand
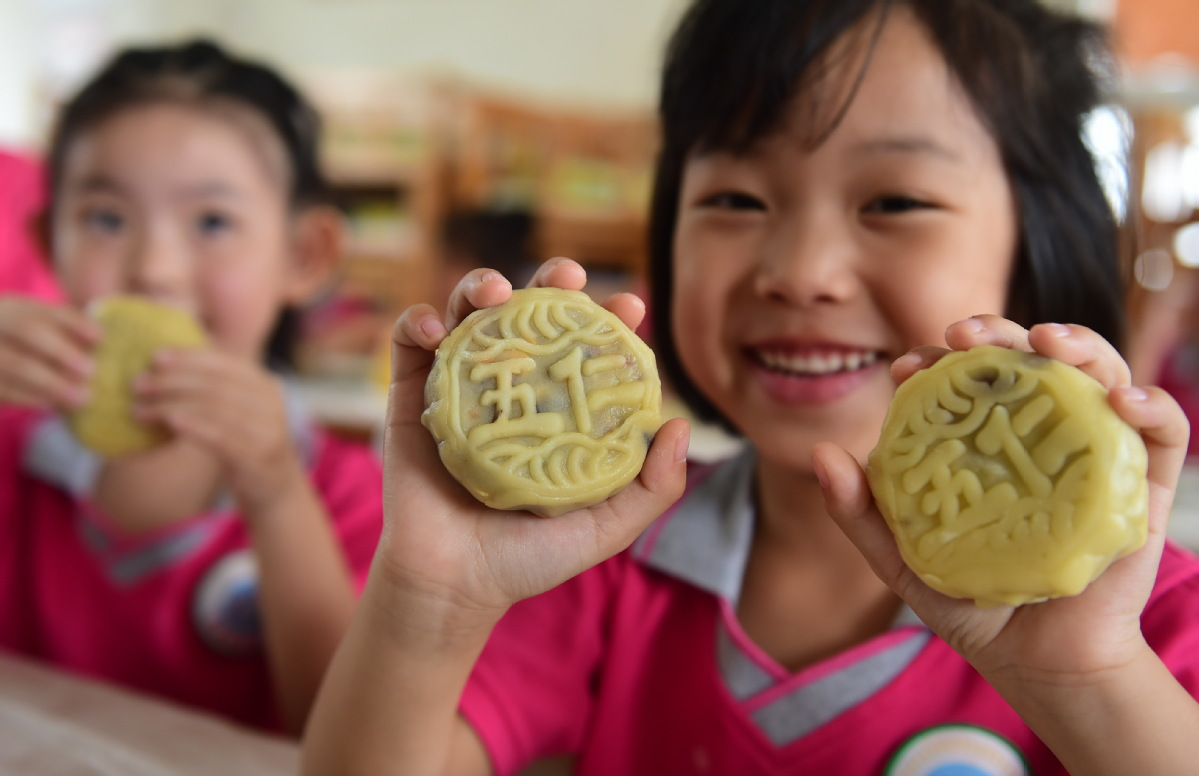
{"x": 442, "y": 545}
{"x": 45, "y": 354}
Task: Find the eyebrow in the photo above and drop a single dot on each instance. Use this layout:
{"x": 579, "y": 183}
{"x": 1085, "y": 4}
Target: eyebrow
{"x": 100, "y": 183}
{"x": 907, "y": 144}
{"x": 103, "y": 184}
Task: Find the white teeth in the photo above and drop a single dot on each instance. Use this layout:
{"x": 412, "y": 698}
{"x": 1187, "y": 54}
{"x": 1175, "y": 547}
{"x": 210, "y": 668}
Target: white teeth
{"x": 818, "y": 363}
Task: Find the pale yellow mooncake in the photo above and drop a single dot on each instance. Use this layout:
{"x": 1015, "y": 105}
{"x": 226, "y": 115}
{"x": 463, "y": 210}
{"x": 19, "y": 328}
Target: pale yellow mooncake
{"x": 134, "y": 329}
{"x": 1007, "y": 478}
{"x": 546, "y": 403}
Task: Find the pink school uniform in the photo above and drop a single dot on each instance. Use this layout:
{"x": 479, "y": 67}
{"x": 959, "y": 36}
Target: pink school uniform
{"x": 23, "y": 270}
{"x": 173, "y": 612}
{"x": 638, "y": 666}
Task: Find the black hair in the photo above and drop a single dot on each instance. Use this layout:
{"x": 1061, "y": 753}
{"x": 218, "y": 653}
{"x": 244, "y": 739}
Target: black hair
{"x": 733, "y": 68}
{"x": 200, "y": 72}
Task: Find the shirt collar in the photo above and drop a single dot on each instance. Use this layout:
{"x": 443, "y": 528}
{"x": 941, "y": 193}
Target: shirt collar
{"x": 705, "y": 540}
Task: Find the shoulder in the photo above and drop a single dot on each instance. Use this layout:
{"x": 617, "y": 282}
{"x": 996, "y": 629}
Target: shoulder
{"x": 342, "y": 464}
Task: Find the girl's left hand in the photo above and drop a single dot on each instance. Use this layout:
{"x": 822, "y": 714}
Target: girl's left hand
{"x": 230, "y": 407}
{"x": 1060, "y": 639}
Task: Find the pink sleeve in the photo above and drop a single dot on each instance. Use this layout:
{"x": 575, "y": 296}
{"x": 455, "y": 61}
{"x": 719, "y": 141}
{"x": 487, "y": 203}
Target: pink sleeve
{"x": 530, "y": 694}
{"x": 349, "y": 478}
{"x": 1171, "y": 618}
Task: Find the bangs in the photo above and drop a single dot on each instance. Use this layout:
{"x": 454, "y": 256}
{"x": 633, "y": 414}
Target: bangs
{"x": 785, "y": 50}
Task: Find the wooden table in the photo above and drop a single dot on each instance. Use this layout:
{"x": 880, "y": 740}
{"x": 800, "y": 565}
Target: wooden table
{"x": 55, "y": 724}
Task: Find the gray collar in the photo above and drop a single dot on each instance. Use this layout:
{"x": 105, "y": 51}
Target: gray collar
{"x": 53, "y": 454}
{"x": 705, "y": 540}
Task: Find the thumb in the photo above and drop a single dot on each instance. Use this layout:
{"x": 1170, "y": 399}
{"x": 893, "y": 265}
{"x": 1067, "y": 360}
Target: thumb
{"x": 850, "y": 504}
{"x": 661, "y": 483}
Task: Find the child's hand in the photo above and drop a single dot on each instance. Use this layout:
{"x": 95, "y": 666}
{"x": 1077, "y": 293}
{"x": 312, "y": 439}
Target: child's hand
{"x": 45, "y": 354}
{"x": 1077, "y": 636}
{"x": 439, "y": 543}
{"x": 230, "y": 407}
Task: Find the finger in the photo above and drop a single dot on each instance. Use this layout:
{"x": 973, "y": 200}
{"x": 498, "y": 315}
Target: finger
{"x": 1083, "y": 348}
{"x": 31, "y": 381}
{"x": 851, "y": 505}
{"x": 478, "y": 289}
{"x": 622, "y": 518}
{"x": 79, "y": 326}
{"x": 1163, "y": 426}
{"x": 987, "y": 330}
{"x": 914, "y": 360}
{"x": 629, "y": 308}
{"x": 559, "y": 272}
{"x": 414, "y": 340}
{"x": 57, "y": 344}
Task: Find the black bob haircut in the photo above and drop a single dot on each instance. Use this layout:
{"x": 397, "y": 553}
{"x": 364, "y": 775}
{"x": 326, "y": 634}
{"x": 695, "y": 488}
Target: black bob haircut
{"x": 200, "y": 73}
{"x": 733, "y": 68}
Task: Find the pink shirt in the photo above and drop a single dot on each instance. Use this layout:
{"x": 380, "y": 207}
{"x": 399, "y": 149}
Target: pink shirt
{"x": 23, "y": 269}
{"x": 639, "y": 666}
{"x": 173, "y": 612}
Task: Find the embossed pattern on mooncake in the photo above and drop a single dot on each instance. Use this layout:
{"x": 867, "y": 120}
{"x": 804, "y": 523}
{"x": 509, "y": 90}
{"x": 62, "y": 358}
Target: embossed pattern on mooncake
{"x": 1006, "y": 477}
{"x": 547, "y": 402}
{"x": 134, "y": 329}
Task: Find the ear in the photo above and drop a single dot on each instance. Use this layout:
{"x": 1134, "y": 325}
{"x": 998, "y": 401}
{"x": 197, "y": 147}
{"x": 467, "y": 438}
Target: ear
{"x": 318, "y": 235}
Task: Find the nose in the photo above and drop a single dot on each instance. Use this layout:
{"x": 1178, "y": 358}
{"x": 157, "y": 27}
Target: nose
{"x": 809, "y": 261}
{"x": 157, "y": 265}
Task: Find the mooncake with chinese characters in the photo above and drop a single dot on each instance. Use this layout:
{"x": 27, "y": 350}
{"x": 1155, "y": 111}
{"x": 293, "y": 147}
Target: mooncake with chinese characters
{"x": 1007, "y": 478}
{"x": 134, "y": 329}
{"x": 546, "y": 403}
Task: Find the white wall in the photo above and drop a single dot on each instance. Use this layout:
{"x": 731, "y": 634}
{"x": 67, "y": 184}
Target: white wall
{"x": 584, "y": 52}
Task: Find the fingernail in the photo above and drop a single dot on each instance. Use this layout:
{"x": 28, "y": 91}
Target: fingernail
{"x": 1134, "y": 393}
{"x": 1057, "y": 329}
{"x": 973, "y": 325}
{"x": 430, "y": 327}
{"x": 680, "y": 446}
{"x": 821, "y": 474}
{"x": 909, "y": 360}
{"x": 488, "y": 277}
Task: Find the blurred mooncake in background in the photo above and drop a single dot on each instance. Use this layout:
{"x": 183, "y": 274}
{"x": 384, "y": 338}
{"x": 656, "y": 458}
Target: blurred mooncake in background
{"x": 547, "y": 402}
{"x": 134, "y": 330}
{"x": 1007, "y": 478}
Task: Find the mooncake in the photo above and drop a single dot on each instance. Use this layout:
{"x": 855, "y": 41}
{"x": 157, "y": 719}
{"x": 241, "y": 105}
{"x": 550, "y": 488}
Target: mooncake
{"x": 546, "y": 403}
{"x": 134, "y": 329}
{"x": 1007, "y": 478}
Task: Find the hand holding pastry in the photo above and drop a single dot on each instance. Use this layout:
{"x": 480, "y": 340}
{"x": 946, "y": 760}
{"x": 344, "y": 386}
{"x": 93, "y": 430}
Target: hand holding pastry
{"x": 46, "y": 354}
{"x": 439, "y": 537}
{"x": 1072, "y": 634}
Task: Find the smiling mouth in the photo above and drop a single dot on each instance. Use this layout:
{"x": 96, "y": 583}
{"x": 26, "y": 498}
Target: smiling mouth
{"x": 818, "y": 364}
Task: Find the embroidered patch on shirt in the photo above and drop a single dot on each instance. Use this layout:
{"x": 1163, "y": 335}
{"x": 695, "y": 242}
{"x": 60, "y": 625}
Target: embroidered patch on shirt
{"x": 225, "y": 606}
{"x": 957, "y": 750}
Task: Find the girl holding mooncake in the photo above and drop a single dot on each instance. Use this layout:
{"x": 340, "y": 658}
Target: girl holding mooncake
{"x": 171, "y": 519}
{"x": 843, "y": 189}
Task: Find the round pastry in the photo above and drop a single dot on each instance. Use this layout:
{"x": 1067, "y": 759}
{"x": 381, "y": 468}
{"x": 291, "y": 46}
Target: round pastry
{"x": 547, "y": 402}
{"x": 134, "y": 329}
{"x": 1006, "y": 477}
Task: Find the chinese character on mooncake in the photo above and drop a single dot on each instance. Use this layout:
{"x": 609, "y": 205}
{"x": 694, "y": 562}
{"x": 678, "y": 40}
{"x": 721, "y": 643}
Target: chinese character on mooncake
{"x": 1006, "y": 477}
{"x": 134, "y": 330}
{"x": 547, "y": 402}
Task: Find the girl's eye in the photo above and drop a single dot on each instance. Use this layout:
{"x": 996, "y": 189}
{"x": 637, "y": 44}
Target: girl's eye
{"x": 895, "y": 204}
{"x": 732, "y": 200}
{"x": 103, "y": 220}
{"x": 212, "y": 224}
